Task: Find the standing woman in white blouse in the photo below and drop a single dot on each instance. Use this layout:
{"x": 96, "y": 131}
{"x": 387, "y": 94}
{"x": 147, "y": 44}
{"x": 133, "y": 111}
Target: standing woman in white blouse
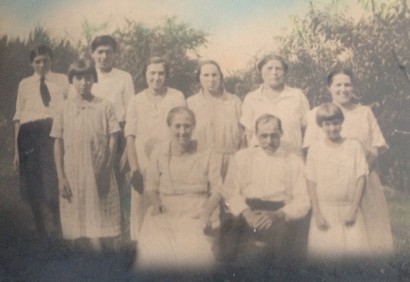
{"x": 275, "y": 97}
{"x": 38, "y": 98}
{"x": 359, "y": 124}
{"x": 146, "y": 126}
{"x": 217, "y": 115}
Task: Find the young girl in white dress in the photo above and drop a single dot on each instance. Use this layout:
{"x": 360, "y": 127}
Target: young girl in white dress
{"x": 336, "y": 174}
{"x": 85, "y": 132}
{"x": 359, "y": 124}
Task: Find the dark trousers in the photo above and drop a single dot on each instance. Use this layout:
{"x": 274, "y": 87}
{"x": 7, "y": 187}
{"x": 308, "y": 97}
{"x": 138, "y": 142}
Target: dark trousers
{"x": 238, "y": 239}
{"x": 38, "y": 177}
{"x": 124, "y": 185}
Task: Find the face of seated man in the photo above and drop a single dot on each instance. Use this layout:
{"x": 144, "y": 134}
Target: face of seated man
{"x": 268, "y": 135}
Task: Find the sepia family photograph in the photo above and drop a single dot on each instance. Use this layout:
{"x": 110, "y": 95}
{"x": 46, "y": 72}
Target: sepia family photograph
{"x": 204, "y": 140}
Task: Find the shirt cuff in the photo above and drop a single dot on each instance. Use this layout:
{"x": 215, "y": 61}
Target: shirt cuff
{"x": 237, "y": 205}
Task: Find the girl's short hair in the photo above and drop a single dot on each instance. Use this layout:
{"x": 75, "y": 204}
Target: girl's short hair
{"x": 103, "y": 40}
{"x": 345, "y": 71}
{"x": 41, "y": 50}
{"x": 157, "y": 60}
{"x": 81, "y": 67}
{"x": 207, "y": 62}
{"x": 328, "y": 112}
{"x": 179, "y": 110}
{"x": 272, "y": 57}
{"x": 265, "y": 118}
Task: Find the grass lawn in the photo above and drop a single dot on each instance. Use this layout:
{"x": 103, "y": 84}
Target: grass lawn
{"x": 399, "y": 208}
{"x": 23, "y": 259}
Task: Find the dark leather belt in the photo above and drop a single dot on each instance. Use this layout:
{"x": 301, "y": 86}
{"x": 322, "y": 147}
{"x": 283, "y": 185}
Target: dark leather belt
{"x": 256, "y": 204}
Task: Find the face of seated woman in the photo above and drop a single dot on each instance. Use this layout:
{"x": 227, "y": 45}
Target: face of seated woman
{"x": 181, "y": 128}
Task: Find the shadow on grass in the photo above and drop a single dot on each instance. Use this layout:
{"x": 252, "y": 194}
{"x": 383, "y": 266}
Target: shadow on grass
{"x": 25, "y": 258}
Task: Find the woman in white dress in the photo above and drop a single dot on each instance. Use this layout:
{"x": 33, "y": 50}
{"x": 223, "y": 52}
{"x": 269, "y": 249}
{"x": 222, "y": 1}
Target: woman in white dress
{"x": 146, "y": 126}
{"x": 336, "y": 174}
{"x": 360, "y": 124}
{"x": 85, "y": 132}
{"x": 217, "y": 114}
{"x": 184, "y": 189}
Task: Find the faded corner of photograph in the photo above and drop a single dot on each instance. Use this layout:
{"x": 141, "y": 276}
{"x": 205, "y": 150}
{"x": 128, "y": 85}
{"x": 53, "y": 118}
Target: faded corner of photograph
{"x": 199, "y": 140}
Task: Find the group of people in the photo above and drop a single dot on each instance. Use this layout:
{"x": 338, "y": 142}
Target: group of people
{"x": 206, "y": 178}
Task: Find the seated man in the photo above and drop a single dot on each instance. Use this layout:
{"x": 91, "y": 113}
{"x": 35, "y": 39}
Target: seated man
{"x": 265, "y": 190}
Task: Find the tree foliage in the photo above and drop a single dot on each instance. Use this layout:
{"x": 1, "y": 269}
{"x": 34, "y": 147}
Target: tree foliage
{"x": 176, "y": 41}
{"x": 376, "y": 47}
{"x": 173, "y": 40}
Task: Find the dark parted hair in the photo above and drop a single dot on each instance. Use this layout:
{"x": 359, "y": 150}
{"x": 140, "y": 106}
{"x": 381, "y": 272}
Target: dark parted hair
{"x": 272, "y": 57}
{"x": 328, "y": 112}
{"x": 207, "y": 62}
{"x": 157, "y": 60}
{"x": 265, "y": 118}
{"x": 81, "y": 67}
{"x": 41, "y": 50}
{"x": 179, "y": 110}
{"x": 345, "y": 71}
{"x": 103, "y": 40}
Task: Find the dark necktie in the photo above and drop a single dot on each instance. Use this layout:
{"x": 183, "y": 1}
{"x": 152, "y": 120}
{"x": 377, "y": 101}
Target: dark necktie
{"x": 45, "y": 94}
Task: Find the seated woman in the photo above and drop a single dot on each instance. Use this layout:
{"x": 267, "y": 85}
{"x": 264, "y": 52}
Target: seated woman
{"x": 177, "y": 184}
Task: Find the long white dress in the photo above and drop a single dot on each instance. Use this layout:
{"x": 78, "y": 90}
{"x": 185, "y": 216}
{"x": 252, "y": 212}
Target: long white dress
{"x": 85, "y": 129}
{"x": 336, "y": 171}
{"x": 174, "y": 240}
{"x": 360, "y": 124}
{"x": 217, "y": 126}
{"x": 147, "y": 121}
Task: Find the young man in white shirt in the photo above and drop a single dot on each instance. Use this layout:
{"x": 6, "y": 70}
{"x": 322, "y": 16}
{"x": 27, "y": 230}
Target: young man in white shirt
{"x": 116, "y": 86}
{"x": 38, "y": 98}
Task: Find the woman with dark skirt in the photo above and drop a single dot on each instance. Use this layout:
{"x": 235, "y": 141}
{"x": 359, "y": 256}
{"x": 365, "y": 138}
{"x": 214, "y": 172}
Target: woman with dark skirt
{"x": 38, "y": 97}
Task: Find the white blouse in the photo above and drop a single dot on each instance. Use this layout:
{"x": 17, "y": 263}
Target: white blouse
{"x": 290, "y": 107}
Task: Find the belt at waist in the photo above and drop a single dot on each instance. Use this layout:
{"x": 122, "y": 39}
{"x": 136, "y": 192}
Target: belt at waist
{"x": 256, "y": 204}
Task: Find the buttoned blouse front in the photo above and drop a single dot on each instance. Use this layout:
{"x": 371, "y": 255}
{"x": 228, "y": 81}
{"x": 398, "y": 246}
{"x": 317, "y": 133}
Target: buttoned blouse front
{"x": 336, "y": 170}
{"x": 147, "y": 120}
{"x": 290, "y": 107}
{"x": 217, "y": 121}
{"x": 29, "y": 105}
{"x": 181, "y": 174}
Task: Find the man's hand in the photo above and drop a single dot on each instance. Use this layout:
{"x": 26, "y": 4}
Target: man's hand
{"x": 275, "y": 216}
{"x": 257, "y": 220}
